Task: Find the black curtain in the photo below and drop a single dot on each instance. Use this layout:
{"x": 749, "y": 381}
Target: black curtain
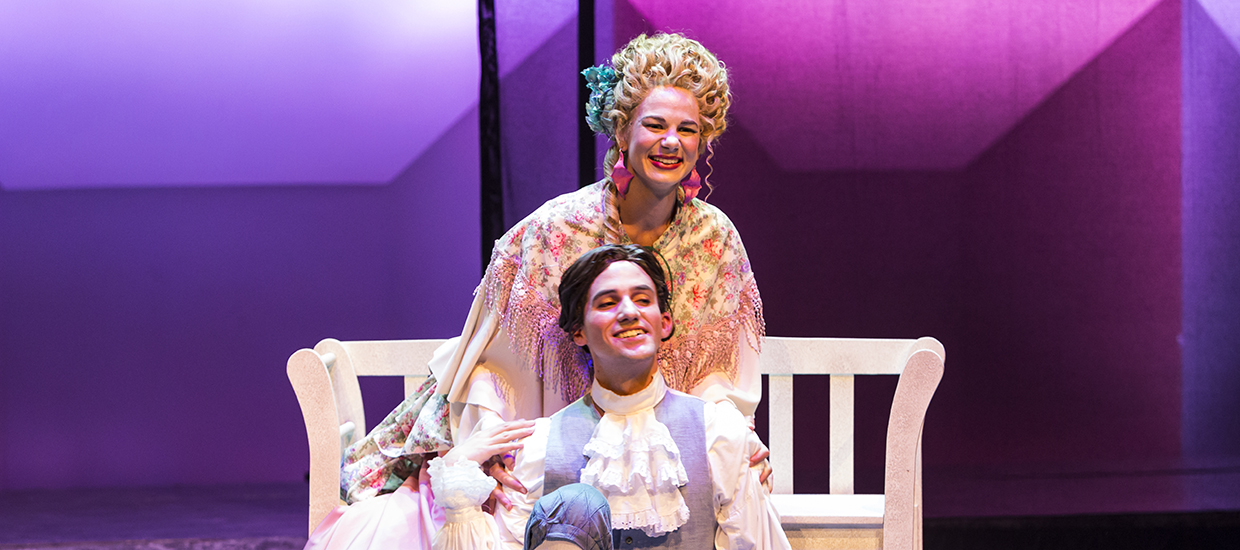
{"x": 491, "y": 209}
{"x": 492, "y": 191}
{"x": 585, "y": 59}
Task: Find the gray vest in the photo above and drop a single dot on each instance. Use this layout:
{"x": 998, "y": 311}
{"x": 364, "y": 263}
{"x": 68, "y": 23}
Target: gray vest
{"x": 682, "y": 414}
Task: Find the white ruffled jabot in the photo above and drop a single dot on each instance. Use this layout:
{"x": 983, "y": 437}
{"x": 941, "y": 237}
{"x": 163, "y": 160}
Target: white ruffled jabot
{"x": 634, "y": 462}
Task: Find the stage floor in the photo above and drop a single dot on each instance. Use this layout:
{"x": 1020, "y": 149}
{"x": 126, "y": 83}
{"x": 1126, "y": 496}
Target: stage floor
{"x": 1173, "y": 489}
{"x": 272, "y": 517}
{"x": 1035, "y": 512}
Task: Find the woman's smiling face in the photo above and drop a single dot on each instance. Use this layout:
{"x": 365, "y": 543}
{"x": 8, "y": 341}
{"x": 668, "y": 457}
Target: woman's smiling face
{"x": 663, "y": 139}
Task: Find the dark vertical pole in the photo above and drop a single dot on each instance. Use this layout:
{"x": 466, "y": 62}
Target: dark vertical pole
{"x": 492, "y": 196}
{"x": 585, "y": 58}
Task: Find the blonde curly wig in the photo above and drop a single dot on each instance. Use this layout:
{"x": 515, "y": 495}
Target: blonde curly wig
{"x": 648, "y": 62}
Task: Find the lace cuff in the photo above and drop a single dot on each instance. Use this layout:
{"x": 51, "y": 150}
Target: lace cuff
{"x": 460, "y": 488}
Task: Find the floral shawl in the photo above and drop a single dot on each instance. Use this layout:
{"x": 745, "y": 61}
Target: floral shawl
{"x": 714, "y": 297}
{"x": 714, "y": 301}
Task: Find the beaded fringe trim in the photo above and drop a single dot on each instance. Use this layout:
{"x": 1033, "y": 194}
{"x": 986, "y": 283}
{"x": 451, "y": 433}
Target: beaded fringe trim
{"x": 537, "y": 340}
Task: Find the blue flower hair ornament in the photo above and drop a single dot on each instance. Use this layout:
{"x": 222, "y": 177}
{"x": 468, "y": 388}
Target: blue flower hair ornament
{"x": 601, "y": 80}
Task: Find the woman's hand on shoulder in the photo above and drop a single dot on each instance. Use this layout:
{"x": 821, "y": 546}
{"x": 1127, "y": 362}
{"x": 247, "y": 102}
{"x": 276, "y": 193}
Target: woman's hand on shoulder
{"x": 495, "y": 441}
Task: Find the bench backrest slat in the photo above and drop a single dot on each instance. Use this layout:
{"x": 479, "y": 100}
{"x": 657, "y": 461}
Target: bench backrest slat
{"x": 840, "y": 358}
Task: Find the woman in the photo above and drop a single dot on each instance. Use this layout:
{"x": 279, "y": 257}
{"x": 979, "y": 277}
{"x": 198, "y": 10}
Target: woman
{"x": 663, "y": 102}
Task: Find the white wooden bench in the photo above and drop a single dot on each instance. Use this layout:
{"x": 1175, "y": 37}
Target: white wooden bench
{"x": 325, "y": 379}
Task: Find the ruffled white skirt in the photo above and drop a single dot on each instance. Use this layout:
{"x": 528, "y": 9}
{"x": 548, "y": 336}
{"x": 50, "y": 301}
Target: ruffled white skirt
{"x": 404, "y": 520}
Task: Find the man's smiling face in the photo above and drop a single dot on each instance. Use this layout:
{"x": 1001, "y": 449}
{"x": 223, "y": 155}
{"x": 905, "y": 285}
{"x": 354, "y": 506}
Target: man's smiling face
{"x": 623, "y": 325}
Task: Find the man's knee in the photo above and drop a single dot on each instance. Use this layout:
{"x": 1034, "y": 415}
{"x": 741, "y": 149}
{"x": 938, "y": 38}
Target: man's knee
{"x": 576, "y": 514}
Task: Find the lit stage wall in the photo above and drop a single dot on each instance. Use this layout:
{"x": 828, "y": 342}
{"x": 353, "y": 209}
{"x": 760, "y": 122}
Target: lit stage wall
{"x": 1005, "y": 179}
{"x": 191, "y": 191}
{"x": 137, "y": 93}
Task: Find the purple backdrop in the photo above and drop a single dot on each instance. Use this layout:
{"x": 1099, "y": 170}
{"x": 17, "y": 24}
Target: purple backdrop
{"x": 1071, "y": 303}
{"x": 1211, "y": 206}
{"x": 145, "y": 330}
{"x": 537, "y": 41}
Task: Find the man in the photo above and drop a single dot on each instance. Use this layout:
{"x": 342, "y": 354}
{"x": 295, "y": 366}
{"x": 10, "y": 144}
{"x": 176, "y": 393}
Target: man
{"x": 673, "y": 470}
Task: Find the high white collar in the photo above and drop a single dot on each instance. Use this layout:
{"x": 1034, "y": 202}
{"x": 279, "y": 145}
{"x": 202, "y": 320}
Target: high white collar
{"x": 624, "y": 405}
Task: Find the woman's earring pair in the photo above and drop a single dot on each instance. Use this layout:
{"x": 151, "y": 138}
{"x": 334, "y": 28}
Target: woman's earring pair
{"x": 621, "y": 176}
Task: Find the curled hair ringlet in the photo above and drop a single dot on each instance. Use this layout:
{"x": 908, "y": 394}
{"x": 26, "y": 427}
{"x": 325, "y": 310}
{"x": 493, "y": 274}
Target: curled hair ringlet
{"x": 663, "y": 59}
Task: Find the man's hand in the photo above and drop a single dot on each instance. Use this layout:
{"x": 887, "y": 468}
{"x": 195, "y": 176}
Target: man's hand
{"x": 499, "y": 468}
{"x": 492, "y": 448}
{"x": 760, "y": 457}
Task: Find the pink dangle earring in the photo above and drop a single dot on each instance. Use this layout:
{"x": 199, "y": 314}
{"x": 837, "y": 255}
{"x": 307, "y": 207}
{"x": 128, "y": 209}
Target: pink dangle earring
{"x": 691, "y": 185}
{"x": 621, "y": 176}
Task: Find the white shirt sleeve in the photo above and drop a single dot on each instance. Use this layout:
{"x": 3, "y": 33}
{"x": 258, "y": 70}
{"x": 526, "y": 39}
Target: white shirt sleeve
{"x": 746, "y": 391}
{"x": 454, "y": 361}
{"x": 746, "y": 517}
{"x": 459, "y": 490}
{"x": 481, "y": 376}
